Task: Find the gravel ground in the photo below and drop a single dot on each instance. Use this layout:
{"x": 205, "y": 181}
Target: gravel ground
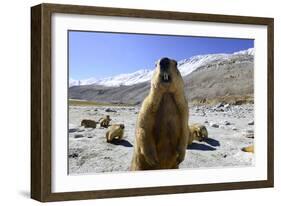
{"x": 230, "y": 128}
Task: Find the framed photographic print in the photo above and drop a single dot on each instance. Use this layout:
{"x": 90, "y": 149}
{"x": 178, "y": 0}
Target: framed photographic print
{"x": 130, "y": 102}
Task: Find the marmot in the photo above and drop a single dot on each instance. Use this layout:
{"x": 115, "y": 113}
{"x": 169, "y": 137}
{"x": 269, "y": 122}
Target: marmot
{"x": 197, "y": 132}
{"x": 115, "y": 131}
{"x": 104, "y": 121}
{"x": 87, "y": 123}
{"x": 161, "y": 131}
{"x": 249, "y": 149}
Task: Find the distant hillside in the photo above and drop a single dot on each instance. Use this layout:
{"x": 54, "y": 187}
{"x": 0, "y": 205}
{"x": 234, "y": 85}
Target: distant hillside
{"x": 234, "y": 76}
{"x": 123, "y": 94}
{"x": 205, "y": 77}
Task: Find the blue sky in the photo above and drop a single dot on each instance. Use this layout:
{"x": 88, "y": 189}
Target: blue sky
{"x": 99, "y": 54}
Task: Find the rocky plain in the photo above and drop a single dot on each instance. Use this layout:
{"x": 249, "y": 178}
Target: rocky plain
{"x": 230, "y": 128}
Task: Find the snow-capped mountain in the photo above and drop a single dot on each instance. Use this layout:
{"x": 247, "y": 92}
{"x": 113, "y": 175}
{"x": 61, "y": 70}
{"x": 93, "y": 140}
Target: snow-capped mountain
{"x": 118, "y": 80}
{"x": 250, "y": 51}
{"x": 185, "y": 66}
{"x": 73, "y": 82}
{"x": 126, "y": 79}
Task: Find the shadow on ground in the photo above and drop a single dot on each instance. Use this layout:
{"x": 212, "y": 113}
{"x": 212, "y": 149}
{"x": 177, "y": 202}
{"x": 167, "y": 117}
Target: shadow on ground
{"x": 122, "y": 142}
{"x": 212, "y": 142}
{"x": 202, "y": 147}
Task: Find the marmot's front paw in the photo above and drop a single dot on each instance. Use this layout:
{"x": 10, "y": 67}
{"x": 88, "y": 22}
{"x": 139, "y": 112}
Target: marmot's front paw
{"x": 181, "y": 156}
{"x": 151, "y": 158}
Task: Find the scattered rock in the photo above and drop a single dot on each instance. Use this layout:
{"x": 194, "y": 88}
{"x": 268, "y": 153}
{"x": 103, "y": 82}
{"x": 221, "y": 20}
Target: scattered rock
{"x": 227, "y": 106}
{"x": 95, "y": 110}
{"x": 219, "y": 105}
{"x": 249, "y": 134}
{"x": 72, "y": 128}
{"x": 110, "y": 110}
{"x": 81, "y": 161}
{"x": 224, "y": 156}
{"x": 219, "y": 109}
{"x": 214, "y": 125}
{"x": 234, "y": 128}
{"x": 251, "y": 122}
{"x": 239, "y": 102}
{"x": 206, "y": 121}
{"x": 73, "y": 155}
{"x": 222, "y": 126}
{"x": 78, "y": 136}
{"x": 227, "y": 123}
{"x": 81, "y": 129}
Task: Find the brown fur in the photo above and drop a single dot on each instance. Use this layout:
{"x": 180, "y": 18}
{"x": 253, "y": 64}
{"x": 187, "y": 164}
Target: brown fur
{"x": 197, "y": 132}
{"x": 104, "y": 121}
{"x": 115, "y": 131}
{"x": 161, "y": 132}
{"x": 249, "y": 149}
{"x": 87, "y": 123}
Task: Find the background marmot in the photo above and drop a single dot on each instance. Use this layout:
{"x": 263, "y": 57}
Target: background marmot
{"x": 197, "y": 132}
{"x": 115, "y": 131}
{"x": 87, "y": 123}
{"x": 104, "y": 121}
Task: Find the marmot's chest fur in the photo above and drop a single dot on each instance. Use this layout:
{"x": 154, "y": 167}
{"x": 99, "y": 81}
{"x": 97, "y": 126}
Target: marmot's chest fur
{"x": 167, "y": 128}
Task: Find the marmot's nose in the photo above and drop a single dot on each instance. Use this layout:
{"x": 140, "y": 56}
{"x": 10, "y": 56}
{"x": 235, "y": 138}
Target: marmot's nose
{"x": 164, "y": 63}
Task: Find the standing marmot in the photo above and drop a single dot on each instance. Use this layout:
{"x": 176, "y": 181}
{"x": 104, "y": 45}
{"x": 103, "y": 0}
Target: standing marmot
{"x": 87, "y": 123}
{"x": 104, "y": 121}
{"x": 161, "y": 131}
{"x": 197, "y": 132}
{"x": 115, "y": 131}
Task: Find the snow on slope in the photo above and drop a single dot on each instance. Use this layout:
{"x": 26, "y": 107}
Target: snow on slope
{"x": 250, "y": 51}
{"x": 73, "y": 82}
{"x": 126, "y": 79}
{"x": 185, "y": 66}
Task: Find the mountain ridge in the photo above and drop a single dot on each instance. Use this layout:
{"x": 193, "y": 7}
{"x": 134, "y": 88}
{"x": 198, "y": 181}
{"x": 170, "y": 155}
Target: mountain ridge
{"x": 185, "y": 66}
